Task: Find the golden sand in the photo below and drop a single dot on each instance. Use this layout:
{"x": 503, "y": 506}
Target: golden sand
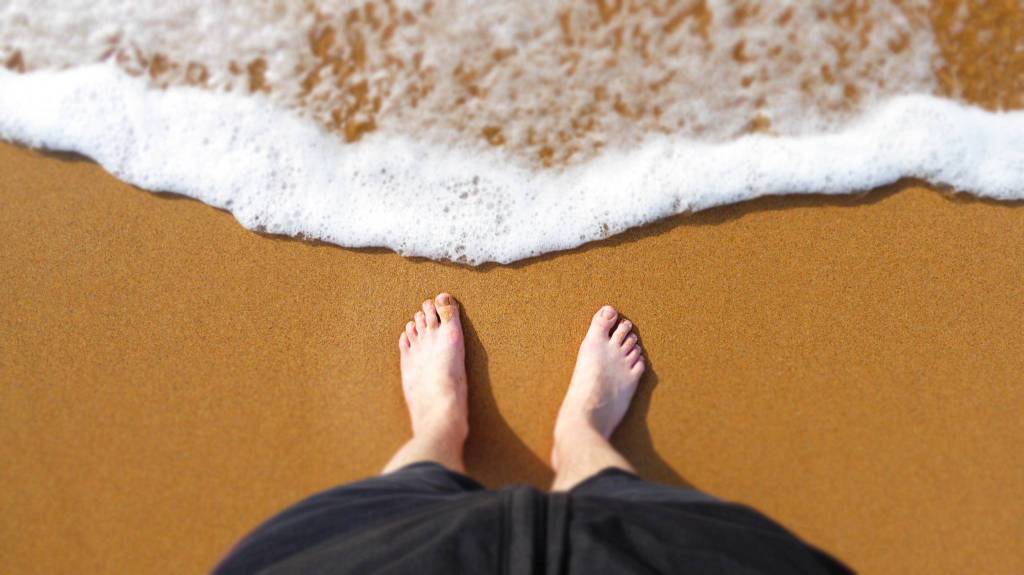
{"x": 851, "y": 366}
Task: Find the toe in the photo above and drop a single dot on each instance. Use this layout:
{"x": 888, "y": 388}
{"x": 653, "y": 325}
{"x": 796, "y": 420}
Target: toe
{"x": 410, "y": 331}
{"x": 632, "y": 356}
{"x": 620, "y": 333}
{"x": 603, "y": 320}
{"x": 630, "y": 343}
{"x": 403, "y": 341}
{"x": 421, "y": 322}
{"x": 638, "y": 367}
{"x": 447, "y": 309}
{"x": 431, "y": 314}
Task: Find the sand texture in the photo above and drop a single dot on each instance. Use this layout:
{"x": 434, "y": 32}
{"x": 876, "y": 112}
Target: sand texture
{"x": 851, "y": 366}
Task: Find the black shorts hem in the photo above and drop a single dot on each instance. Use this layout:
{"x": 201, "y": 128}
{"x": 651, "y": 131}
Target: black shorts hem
{"x": 616, "y": 483}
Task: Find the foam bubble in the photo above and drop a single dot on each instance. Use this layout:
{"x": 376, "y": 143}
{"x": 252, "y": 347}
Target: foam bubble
{"x": 282, "y": 173}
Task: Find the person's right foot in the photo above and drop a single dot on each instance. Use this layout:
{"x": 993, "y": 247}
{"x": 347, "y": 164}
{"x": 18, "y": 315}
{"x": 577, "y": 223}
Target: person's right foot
{"x": 608, "y": 369}
{"x": 433, "y": 366}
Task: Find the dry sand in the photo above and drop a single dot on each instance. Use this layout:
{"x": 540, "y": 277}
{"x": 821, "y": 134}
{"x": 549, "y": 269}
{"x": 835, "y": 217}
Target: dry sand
{"x": 851, "y": 366}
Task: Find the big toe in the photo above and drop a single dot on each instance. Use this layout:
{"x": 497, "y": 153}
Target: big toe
{"x": 447, "y": 309}
{"x": 603, "y": 321}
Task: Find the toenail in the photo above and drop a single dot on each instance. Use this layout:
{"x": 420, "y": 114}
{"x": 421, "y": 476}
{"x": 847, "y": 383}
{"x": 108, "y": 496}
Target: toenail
{"x": 444, "y": 299}
{"x": 608, "y": 312}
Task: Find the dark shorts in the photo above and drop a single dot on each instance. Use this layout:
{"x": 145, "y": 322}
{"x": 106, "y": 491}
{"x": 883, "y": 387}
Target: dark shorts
{"x": 369, "y": 525}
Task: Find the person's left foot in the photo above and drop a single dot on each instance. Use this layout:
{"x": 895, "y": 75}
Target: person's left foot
{"x": 433, "y": 364}
{"x": 608, "y": 369}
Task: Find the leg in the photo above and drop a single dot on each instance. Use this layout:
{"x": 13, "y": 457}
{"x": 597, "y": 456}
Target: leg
{"x": 607, "y": 372}
{"x": 433, "y": 365}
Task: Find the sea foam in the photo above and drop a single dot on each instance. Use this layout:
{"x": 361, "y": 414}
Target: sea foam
{"x": 281, "y": 173}
{"x": 499, "y": 130}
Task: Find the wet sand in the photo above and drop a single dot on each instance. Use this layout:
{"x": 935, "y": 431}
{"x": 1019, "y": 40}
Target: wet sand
{"x": 851, "y": 366}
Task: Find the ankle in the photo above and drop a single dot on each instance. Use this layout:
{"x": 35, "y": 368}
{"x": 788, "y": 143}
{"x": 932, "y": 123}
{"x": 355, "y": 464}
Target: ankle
{"x": 447, "y": 427}
{"x": 572, "y": 436}
{"x": 571, "y": 429}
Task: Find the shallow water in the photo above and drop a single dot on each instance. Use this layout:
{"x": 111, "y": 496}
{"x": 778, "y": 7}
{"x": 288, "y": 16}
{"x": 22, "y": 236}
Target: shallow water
{"x": 494, "y": 131}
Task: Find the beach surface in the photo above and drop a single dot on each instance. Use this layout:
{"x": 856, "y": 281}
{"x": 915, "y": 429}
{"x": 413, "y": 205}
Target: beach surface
{"x": 851, "y": 366}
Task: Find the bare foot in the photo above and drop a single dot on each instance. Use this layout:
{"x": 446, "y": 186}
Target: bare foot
{"x": 434, "y": 370}
{"x": 608, "y": 369}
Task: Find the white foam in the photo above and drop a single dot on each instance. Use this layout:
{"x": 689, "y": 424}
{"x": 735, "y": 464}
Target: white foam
{"x": 281, "y": 173}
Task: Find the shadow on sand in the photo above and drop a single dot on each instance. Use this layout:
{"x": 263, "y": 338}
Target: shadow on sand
{"x": 495, "y": 455}
{"x": 633, "y": 438}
